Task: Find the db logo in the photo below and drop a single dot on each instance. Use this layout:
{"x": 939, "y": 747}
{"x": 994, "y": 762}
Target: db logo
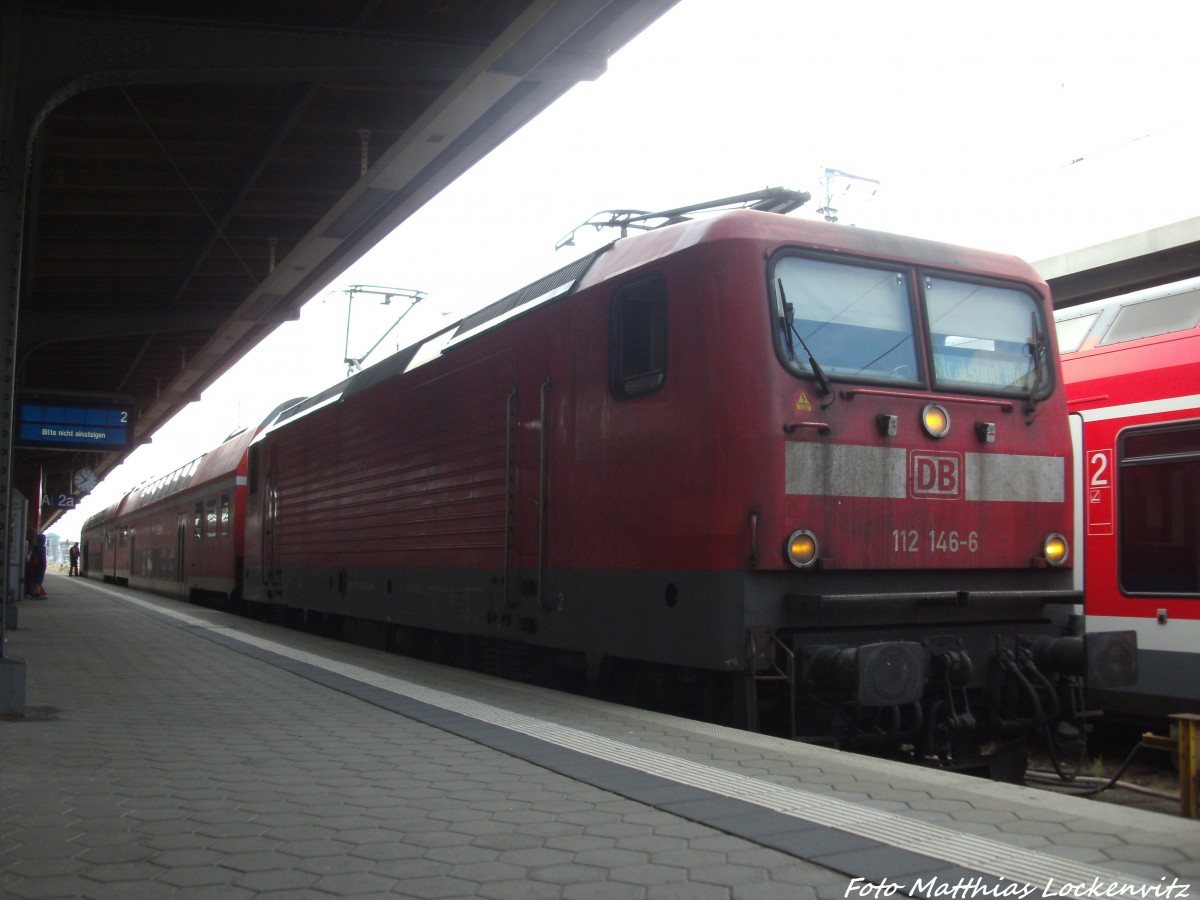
{"x": 935, "y": 475}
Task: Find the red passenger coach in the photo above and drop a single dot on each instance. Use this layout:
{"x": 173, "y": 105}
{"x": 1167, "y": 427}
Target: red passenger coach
{"x": 1132, "y": 369}
{"x": 99, "y": 544}
{"x": 795, "y": 471}
{"x": 181, "y": 534}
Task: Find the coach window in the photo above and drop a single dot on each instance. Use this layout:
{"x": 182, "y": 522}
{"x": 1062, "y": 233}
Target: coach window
{"x": 224, "y": 515}
{"x": 198, "y": 520}
{"x": 637, "y": 338}
{"x": 1162, "y": 315}
{"x": 1072, "y": 332}
{"x": 211, "y": 518}
{"x": 1159, "y": 498}
{"x": 855, "y": 321}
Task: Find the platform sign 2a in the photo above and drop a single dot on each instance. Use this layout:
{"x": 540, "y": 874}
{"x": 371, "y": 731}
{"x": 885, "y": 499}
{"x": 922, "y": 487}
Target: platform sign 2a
{"x": 68, "y": 425}
{"x": 1098, "y": 492}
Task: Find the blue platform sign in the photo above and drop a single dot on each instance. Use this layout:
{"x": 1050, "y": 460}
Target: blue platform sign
{"x": 73, "y": 426}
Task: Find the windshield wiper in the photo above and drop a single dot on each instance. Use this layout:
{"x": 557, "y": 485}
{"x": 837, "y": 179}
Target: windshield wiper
{"x": 1037, "y": 361}
{"x": 824, "y": 388}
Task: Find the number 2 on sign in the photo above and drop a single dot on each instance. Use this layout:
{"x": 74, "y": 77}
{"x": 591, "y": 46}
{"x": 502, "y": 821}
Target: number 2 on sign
{"x": 1099, "y": 462}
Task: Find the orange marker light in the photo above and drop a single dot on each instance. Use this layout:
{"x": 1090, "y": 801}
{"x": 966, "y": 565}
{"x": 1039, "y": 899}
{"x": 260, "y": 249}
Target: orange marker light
{"x": 802, "y": 548}
{"x": 1055, "y": 549}
{"x": 935, "y": 420}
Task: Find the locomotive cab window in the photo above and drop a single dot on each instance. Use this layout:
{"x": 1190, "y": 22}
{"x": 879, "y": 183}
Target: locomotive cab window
{"x": 858, "y": 322}
{"x": 987, "y": 337}
{"x": 637, "y": 338}
{"x": 1159, "y": 502}
{"x": 855, "y": 321}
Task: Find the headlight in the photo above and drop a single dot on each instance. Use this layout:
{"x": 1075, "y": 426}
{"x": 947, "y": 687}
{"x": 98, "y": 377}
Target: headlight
{"x": 1055, "y": 549}
{"x": 802, "y": 548}
{"x": 935, "y": 420}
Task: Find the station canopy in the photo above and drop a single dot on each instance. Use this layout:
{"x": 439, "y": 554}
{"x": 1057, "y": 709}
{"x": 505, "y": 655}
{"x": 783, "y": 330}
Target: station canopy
{"x": 191, "y": 173}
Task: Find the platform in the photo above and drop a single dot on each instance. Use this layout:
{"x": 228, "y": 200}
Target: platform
{"x": 173, "y": 751}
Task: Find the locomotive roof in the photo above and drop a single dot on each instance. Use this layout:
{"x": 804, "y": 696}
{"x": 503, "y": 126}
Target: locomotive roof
{"x": 636, "y": 251}
{"x": 644, "y": 248}
{"x": 549, "y": 287}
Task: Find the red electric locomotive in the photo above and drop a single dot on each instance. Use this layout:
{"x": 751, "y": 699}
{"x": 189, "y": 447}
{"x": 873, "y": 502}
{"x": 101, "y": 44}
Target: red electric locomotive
{"x": 1132, "y": 371}
{"x": 814, "y": 476}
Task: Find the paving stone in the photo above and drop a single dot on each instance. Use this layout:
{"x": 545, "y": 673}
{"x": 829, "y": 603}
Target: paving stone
{"x": 249, "y": 844}
{"x": 335, "y": 865}
{"x": 192, "y": 856}
{"x": 486, "y": 871}
{"x": 347, "y": 884}
{"x": 649, "y": 874}
{"x": 196, "y": 876}
{"x": 686, "y": 890}
{"x": 519, "y": 889}
{"x": 567, "y": 873}
{"x": 275, "y": 880}
{"x": 1031, "y": 827}
{"x": 1143, "y": 854}
{"x": 603, "y": 890}
{"x": 800, "y": 891}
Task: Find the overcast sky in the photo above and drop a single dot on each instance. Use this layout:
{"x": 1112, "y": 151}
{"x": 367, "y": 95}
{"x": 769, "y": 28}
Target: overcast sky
{"x": 1031, "y": 128}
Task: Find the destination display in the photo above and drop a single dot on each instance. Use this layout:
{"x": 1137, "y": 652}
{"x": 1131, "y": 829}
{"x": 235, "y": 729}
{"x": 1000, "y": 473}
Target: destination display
{"x": 73, "y": 426}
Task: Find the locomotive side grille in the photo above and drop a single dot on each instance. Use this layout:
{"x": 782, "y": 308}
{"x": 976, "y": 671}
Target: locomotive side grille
{"x": 405, "y": 477}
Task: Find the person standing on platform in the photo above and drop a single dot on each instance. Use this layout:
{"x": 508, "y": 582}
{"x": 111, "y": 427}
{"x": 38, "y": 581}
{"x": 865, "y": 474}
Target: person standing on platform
{"x": 35, "y": 569}
{"x": 74, "y": 570}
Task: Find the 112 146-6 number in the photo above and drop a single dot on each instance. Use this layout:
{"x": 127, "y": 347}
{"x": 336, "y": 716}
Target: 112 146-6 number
{"x": 909, "y": 541}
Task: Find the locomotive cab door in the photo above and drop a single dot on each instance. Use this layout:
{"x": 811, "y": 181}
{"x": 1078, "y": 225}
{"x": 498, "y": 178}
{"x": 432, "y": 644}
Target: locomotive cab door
{"x": 271, "y": 574}
{"x": 180, "y": 547}
{"x": 529, "y": 451}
